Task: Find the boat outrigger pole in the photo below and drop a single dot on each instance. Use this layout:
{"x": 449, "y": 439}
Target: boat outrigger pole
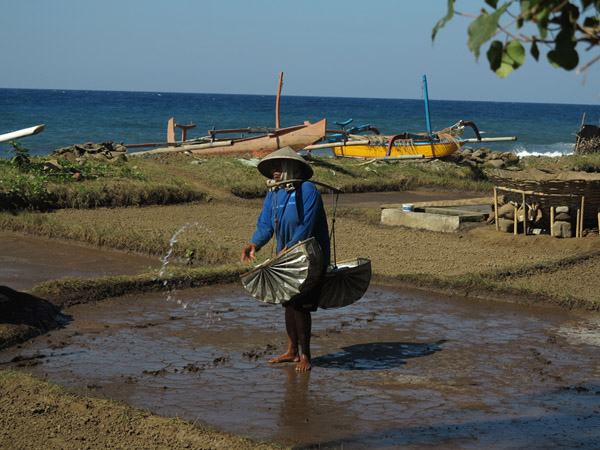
{"x": 426, "y": 105}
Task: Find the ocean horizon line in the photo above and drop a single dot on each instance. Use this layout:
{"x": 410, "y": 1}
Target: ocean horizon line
{"x": 294, "y": 96}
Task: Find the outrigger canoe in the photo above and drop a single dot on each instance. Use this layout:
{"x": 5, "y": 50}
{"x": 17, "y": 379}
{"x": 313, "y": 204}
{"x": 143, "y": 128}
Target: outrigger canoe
{"x": 269, "y": 139}
{"x": 352, "y": 143}
{"x": 401, "y": 146}
{"x": 255, "y": 141}
{"x": 405, "y": 145}
{"x": 406, "y": 149}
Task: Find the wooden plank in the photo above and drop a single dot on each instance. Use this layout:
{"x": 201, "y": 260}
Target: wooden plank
{"x": 496, "y": 208}
{"x": 171, "y": 130}
{"x": 524, "y": 216}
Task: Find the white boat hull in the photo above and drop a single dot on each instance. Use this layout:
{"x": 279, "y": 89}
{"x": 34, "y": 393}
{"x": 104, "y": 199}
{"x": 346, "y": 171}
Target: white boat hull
{"x": 21, "y": 133}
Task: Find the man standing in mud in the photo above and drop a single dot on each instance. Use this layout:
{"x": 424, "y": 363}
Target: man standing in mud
{"x": 294, "y": 212}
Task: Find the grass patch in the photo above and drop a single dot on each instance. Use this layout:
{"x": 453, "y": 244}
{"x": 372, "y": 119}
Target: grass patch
{"x": 72, "y": 291}
{"x": 121, "y": 238}
{"x": 36, "y": 184}
{"x": 232, "y": 175}
{"x": 179, "y": 178}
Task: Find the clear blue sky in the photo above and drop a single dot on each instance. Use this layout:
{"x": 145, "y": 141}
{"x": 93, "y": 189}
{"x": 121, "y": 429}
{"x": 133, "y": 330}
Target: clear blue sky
{"x": 379, "y": 48}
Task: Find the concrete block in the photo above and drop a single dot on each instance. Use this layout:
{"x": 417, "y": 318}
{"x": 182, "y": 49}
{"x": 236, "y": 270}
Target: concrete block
{"x": 425, "y": 221}
{"x": 562, "y": 209}
{"x": 465, "y": 215}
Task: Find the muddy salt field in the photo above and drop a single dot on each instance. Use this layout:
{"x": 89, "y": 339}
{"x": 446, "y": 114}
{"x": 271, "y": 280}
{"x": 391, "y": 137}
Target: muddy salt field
{"x": 399, "y": 369}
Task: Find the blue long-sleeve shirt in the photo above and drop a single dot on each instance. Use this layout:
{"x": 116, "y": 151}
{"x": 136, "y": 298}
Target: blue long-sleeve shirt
{"x": 300, "y": 215}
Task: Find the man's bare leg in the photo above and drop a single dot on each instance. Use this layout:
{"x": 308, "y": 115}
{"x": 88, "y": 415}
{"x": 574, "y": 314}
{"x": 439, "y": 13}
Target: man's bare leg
{"x": 304, "y": 327}
{"x": 291, "y": 354}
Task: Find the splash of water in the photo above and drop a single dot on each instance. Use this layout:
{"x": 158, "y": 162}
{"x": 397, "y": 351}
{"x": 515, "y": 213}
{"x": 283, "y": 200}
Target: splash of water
{"x": 172, "y": 291}
{"x": 165, "y": 259}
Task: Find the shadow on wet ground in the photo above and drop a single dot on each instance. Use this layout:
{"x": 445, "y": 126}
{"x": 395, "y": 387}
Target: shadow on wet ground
{"x": 397, "y": 369}
{"x": 376, "y": 356}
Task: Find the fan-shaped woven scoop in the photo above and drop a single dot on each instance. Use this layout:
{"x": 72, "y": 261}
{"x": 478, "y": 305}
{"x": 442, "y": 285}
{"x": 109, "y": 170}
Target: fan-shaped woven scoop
{"x": 345, "y": 283}
{"x": 290, "y": 274}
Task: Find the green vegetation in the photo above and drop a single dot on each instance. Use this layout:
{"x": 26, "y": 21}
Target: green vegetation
{"x": 560, "y": 25}
{"x": 70, "y": 291}
{"x": 40, "y": 183}
{"x": 43, "y": 184}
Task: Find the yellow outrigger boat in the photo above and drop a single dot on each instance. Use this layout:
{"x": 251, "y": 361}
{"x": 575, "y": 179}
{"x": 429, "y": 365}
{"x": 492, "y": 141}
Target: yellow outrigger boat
{"x": 402, "y": 150}
{"x": 403, "y": 146}
{"x": 351, "y": 144}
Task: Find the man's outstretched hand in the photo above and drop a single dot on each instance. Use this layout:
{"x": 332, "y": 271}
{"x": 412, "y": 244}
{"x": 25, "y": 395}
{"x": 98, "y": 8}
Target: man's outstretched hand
{"x": 249, "y": 252}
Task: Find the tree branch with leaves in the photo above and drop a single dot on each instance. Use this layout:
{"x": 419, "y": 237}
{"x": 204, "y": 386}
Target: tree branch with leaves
{"x": 562, "y": 26}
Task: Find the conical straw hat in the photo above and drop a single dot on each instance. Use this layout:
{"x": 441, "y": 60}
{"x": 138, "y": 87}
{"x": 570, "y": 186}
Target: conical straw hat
{"x": 265, "y": 165}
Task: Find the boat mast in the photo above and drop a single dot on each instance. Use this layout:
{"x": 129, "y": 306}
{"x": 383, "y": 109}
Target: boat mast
{"x": 278, "y": 98}
{"x": 426, "y": 105}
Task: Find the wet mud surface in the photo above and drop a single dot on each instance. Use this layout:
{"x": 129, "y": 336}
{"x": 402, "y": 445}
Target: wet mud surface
{"x": 29, "y": 260}
{"x": 398, "y": 368}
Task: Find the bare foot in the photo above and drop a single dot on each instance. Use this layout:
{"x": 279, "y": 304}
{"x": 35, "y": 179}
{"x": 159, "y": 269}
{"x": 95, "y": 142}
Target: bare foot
{"x": 286, "y": 357}
{"x": 304, "y": 364}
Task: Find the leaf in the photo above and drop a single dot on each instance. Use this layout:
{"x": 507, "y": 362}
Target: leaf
{"x": 492, "y": 3}
{"x": 535, "y": 51}
{"x": 541, "y": 19}
{"x": 515, "y": 51}
{"x": 563, "y": 56}
{"x": 443, "y": 21}
{"x": 512, "y": 57}
{"x": 483, "y": 28}
{"x": 527, "y": 8}
{"x": 494, "y": 55}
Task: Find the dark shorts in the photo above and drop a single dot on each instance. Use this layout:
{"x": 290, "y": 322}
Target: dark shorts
{"x": 309, "y": 301}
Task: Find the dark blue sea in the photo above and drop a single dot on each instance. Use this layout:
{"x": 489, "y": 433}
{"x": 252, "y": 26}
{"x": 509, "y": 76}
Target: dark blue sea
{"x": 77, "y": 117}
